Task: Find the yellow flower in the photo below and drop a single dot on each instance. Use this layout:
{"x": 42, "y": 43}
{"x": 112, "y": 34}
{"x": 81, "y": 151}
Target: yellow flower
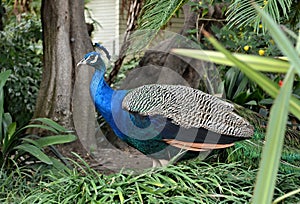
{"x": 261, "y": 52}
{"x": 265, "y": 2}
{"x": 246, "y": 47}
{"x": 260, "y": 26}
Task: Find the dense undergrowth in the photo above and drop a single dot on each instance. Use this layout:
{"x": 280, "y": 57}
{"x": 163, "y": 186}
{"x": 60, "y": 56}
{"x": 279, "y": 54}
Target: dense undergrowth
{"x": 189, "y": 182}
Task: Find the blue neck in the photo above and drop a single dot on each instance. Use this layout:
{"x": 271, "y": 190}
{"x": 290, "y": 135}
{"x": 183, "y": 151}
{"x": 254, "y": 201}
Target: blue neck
{"x": 101, "y": 93}
{"x": 106, "y": 99}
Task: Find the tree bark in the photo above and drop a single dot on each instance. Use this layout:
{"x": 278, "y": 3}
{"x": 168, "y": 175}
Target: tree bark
{"x": 65, "y": 41}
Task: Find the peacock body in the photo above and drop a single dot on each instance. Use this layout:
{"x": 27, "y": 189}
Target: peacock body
{"x": 161, "y": 120}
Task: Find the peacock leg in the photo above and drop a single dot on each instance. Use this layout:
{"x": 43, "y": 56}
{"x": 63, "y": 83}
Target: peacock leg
{"x": 159, "y": 162}
{"x": 164, "y": 162}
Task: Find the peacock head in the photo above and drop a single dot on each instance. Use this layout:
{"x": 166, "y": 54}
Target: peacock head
{"x": 92, "y": 59}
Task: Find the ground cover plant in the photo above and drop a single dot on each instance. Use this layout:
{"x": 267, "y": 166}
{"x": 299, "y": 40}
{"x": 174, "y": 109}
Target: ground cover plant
{"x": 189, "y": 182}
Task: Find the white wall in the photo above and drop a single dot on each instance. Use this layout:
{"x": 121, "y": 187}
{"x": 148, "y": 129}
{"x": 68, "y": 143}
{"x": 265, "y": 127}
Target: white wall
{"x": 106, "y": 13}
{"x": 113, "y": 22}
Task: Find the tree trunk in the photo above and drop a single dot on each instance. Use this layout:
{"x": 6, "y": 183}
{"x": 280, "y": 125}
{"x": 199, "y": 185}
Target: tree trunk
{"x": 65, "y": 41}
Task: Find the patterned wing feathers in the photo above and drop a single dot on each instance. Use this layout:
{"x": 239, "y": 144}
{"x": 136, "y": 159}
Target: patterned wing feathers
{"x": 187, "y": 107}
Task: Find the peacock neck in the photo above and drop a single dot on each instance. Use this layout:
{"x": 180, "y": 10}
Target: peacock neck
{"x": 107, "y": 101}
{"x": 101, "y": 92}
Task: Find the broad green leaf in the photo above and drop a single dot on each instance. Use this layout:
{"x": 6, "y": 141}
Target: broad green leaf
{"x": 31, "y": 141}
{"x": 11, "y": 130}
{"x": 3, "y": 78}
{"x": 45, "y": 127}
{"x": 6, "y": 121}
{"x": 258, "y": 63}
{"x": 52, "y": 124}
{"x": 9, "y": 137}
{"x": 266, "y": 178}
{"x": 36, "y": 152}
{"x": 231, "y": 77}
{"x": 57, "y": 139}
{"x": 298, "y": 44}
{"x": 241, "y": 87}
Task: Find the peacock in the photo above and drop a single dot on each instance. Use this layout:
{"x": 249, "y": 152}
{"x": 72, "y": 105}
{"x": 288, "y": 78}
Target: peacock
{"x": 164, "y": 121}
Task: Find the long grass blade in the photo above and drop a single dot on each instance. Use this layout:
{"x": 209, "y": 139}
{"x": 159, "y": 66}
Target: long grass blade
{"x": 258, "y": 63}
{"x": 138, "y": 192}
{"x": 281, "y": 198}
{"x": 266, "y": 178}
{"x": 265, "y": 183}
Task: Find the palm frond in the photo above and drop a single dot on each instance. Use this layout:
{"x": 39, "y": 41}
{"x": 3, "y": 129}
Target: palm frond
{"x": 242, "y": 12}
{"x": 155, "y": 13}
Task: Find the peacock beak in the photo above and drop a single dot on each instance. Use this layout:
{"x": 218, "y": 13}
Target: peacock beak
{"x": 83, "y": 61}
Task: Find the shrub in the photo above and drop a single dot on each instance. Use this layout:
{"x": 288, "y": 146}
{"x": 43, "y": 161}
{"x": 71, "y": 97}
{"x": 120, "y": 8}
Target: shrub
{"x": 19, "y": 148}
{"x": 21, "y": 52}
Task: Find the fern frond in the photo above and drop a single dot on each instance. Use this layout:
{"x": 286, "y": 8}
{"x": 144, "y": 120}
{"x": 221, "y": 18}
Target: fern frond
{"x": 155, "y": 13}
{"x": 242, "y": 12}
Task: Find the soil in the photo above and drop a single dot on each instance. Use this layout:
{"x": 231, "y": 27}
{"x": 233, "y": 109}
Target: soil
{"x": 108, "y": 158}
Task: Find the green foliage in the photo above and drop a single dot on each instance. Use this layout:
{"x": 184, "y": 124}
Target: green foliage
{"x": 155, "y": 14}
{"x": 242, "y": 12}
{"x": 245, "y": 40}
{"x": 278, "y": 117}
{"x": 21, "y": 52}
{"x": 189, "y": 182}
{"x": 19, "y": 148}
{"x": 284, "y": 102}
{"x": 236, "y": 39}
{"x": 240, "y": 90}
